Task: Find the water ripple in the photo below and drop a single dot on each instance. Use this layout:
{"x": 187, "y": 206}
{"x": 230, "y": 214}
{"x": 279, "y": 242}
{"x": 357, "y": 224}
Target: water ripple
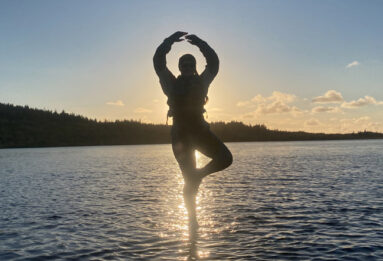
{"x": 278, "y": 201}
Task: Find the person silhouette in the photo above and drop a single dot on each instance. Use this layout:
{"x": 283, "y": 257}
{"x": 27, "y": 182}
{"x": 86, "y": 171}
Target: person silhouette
{"x": 187, "y": 95}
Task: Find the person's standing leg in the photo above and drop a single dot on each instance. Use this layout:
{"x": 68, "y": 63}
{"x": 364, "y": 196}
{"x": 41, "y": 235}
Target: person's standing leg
{"x": 185, "y": 156}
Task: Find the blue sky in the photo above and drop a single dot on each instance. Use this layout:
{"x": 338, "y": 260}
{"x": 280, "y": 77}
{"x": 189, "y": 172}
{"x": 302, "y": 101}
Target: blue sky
{"x": 95, "y": 58}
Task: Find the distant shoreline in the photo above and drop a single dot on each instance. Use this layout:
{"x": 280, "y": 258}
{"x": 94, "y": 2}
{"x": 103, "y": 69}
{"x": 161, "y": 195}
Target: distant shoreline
{"x": 24, "y": 127}
{"x": 144, "y": 144}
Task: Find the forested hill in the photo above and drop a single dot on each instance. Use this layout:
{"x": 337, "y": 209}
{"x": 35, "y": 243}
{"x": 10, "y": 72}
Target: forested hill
{"x": 26, "y": 127}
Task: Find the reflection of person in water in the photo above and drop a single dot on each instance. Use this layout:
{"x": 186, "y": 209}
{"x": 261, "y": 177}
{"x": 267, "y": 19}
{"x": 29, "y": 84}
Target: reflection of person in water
{"x": 187, "y": 95}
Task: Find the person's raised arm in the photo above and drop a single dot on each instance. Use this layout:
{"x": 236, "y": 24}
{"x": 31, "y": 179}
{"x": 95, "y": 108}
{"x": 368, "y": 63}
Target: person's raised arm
{"x": 212, "y": 61}
{"x": 159, "y": 60}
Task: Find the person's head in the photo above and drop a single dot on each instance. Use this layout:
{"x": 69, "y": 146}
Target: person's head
{"x": 187, "y": 65}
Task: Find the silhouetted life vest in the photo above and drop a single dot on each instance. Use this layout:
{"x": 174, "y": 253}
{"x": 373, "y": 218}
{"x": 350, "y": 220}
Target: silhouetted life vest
{"x": 187, "y": 99}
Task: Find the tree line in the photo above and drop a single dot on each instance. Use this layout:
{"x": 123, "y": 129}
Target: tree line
{"x": 21, "y": 126}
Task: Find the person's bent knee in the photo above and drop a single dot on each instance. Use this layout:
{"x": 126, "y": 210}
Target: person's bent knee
{"x": 228, "y": 158}
{"x": 225, "y": 158}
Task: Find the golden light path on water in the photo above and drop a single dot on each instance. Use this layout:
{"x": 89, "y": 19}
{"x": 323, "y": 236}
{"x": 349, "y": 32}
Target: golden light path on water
{"x": 176, "y": 218}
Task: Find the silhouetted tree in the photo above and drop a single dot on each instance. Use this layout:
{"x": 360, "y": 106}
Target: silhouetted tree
{"x": 21, "y": 126}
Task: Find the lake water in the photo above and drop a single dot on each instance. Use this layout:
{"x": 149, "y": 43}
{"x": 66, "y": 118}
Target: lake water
{"x": 316, "y": 200}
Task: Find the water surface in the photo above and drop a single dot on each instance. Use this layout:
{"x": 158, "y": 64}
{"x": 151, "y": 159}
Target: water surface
{"x": 319, "y": 200}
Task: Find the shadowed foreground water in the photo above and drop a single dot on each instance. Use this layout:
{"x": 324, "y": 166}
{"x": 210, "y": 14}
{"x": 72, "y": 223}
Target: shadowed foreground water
{"x": 278, "y": 201}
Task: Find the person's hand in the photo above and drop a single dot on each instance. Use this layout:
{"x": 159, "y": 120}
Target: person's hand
{"x": 193, "y": 39}
{"x": 176, "y": 37}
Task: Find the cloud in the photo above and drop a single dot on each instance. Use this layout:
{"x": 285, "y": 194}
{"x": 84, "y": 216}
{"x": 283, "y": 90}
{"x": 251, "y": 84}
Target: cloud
{"x": 348, "y": 125}
{"x": 282, "y": 97}
{"x": 258, "y": 99}
{"x": 355, "y": 124}
{"x": 331, "y": 96}
{"x": 274, "y": 107}
{"x": 116, "y": 103}
{"x": 277, "y": 107}
{"x": 319, "y": 109}
{"x": 156, "y": 100}
{"x": 295, "y": 111}
{"x": 142, "y": 110}
{"x": 356, "y": 120}
{"x": 361, "y": 102}
{"x": 353, "y": 64}
{"x": 277, "y": 102}
{"x": 274, "y": 97}
{"x": 312, "y": 122}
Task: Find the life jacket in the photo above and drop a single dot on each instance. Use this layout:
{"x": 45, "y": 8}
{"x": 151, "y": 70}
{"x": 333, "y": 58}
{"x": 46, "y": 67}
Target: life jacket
{"x": 187, "y": 99}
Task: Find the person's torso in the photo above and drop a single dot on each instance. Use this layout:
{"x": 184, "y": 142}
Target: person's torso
{"x": 187, "y": 99}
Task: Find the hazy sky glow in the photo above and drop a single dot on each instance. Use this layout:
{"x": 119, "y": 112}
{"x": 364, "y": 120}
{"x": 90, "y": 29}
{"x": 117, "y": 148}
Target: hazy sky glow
{"x": 293, "y": 65}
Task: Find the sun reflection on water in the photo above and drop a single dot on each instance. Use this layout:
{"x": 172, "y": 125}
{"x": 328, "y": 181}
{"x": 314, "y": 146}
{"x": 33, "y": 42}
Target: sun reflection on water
{"x": 175, "y": 222}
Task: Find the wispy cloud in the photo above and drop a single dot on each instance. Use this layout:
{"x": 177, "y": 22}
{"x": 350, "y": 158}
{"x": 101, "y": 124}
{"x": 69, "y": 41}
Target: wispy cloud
{"x": 356, "y": 120}
{"x": 274, "y": 107}
{"x": 355, "y": 124}
{"x": 353, "y": 64}
{"x": 277, "y": 102}
{"x": 259, "y": 98}
{"x": 142, "y": 110}
{"x": 116, "y": 103}
{"x": 331, "y": 96}
{"x": 276, "y": 96}
{"x": 282, "y": 97}
{"x": 362, "y": 102}
{"x": 331, "y": 109}
{"x": 312, "y": 122}
{"x": 324, "y": 113}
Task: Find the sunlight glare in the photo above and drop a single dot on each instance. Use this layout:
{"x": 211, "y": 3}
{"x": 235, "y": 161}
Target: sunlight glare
{"x": 198, "y": 159}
